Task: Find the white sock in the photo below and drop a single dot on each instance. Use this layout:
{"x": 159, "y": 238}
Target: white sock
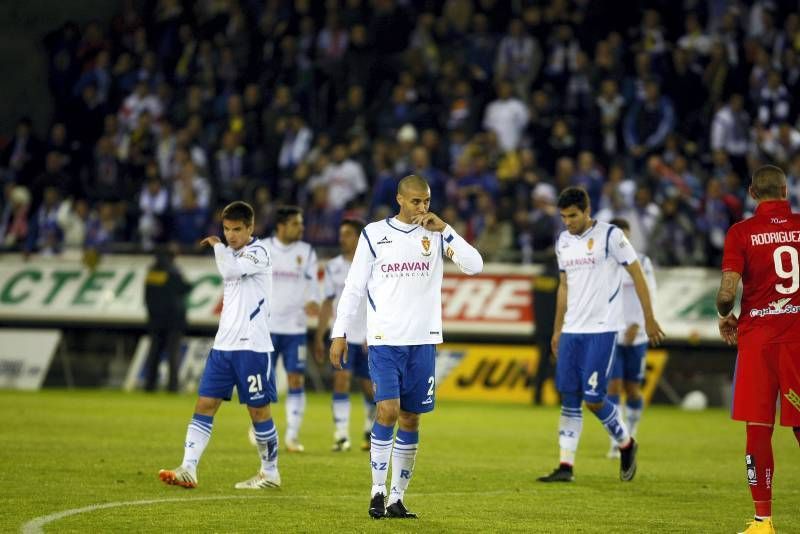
{"x": 569, "y": 434}
{"x": 341, "y": 415}
{"x": 380, "y": 450}
{"x": 295, "y": 408}
{"x": 403, "y": 456}
{"x": 267, "y": 444}
{"x": 197, "y": 435}
{"x": 634, "y": 415}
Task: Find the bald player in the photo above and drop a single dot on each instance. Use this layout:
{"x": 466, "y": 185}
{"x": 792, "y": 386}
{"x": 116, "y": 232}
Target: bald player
{"x": 398, "y": 266}
{"x": 764, "y": 253}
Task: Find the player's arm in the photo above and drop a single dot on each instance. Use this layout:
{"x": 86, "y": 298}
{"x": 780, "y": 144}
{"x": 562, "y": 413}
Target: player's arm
{"x": 561, "y": 311}
{"x": 325, "y": 313}
{"x": 651, "y": 326}
{"x": 355, "y": 289}
{"x": 733, "y": 263}
{"x": 233, "y": 265}
{"x": 726, "y": 298}
{"x": 464, "y": 255}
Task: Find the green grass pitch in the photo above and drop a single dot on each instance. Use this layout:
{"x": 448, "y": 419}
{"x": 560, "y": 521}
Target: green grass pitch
{"x": 66, "y": 450}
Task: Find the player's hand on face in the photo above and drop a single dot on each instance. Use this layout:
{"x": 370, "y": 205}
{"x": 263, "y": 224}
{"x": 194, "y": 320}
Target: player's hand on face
{"x": 728, "y": 329}
{"x": 654, "y": 332}
{"x": 429, "y": 221}
{"x": 210, "y": 241}
{"x": 338, "y": 352}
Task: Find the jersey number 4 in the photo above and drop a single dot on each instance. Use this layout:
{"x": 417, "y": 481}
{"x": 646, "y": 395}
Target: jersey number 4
{"x": 793, "y": 274}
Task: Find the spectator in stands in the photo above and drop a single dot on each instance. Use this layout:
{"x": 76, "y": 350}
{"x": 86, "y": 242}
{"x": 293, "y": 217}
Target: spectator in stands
{"x": 507, "y": 116}
{"x": 648, "y": 123}
{"x": 519, "y": 58}
{"x": 73, "y": 217}
{"x": 20, "y": 158}
{"x": 14, "y": 226}
{"x": 154, "y": 209}
{"x": 45, "y": 235}
{"x": 231, "y": 169}
{"x": 344, "y": 179}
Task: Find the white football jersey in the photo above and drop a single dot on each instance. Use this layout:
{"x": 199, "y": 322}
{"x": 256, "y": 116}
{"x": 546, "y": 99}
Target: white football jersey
{"x": 247, "y": 296}
{"x": 398, "y": 268}
{"x": 333, "y": 284}
{"x": 294, "y": 283}
{"x": 592, "y": 263}
{"x": 631, "y": 307}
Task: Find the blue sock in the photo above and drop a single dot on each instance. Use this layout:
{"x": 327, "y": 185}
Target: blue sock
{"x": 267, "y": 443}
{"x": 611, "y": 420}
{"x": 613, "y": 399}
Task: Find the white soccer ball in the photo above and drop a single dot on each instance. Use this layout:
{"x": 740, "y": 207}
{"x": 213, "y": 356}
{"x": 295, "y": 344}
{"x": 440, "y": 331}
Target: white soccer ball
{"x": 695, "y": 401}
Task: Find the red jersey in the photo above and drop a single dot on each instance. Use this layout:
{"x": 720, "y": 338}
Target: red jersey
{"x": 765, "y": 250}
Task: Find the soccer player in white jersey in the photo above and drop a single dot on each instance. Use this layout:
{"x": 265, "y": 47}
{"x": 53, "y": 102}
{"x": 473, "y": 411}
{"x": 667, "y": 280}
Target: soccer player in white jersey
{"x": 398, "y": 268}
{"x": 240, "y": 355}
{"x": 588, "y": 317}
{"x": 295, "y": 295}
{"x": 335, "y": 274}
{"x": 629, "y": 357}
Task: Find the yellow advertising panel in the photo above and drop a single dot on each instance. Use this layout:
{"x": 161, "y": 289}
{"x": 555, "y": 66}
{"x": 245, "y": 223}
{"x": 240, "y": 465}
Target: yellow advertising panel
{"x": 507, "y": 373}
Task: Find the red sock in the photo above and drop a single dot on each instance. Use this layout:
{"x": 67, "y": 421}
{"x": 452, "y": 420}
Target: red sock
{"x": 797, "y": 433}
{"x": 760, "y": 467}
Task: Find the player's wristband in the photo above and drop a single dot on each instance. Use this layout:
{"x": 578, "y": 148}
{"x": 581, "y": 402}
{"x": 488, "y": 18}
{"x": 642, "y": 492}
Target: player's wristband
{"x": 724, "y": 316}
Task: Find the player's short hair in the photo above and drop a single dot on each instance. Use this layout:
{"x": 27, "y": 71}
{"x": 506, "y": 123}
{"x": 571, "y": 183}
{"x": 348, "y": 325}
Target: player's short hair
{"x": 768, "y": 182}
{"x": 284, "y": 213}
{"x": 412, "y": 181}
{"x": 239, "y": 210}
{"x": 620, "y": 223}
{"x": 573, "y": 196}
{"x": 356, "y": 224}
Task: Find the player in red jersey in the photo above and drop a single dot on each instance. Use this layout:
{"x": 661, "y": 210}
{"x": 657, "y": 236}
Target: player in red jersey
{"x": 764, "y": 253}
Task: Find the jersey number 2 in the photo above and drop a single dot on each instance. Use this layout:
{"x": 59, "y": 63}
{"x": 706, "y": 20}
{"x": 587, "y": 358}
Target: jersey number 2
{"x": 793, "y": 274}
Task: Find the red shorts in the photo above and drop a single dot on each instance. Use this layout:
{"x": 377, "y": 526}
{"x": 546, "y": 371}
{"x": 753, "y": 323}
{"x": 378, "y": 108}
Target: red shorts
{"x": 762, "y": 372}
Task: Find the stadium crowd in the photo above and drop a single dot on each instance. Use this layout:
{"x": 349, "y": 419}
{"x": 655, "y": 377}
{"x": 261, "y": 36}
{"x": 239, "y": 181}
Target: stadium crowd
{"x": 175, "y": 108}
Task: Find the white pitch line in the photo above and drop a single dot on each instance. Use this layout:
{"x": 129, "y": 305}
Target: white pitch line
{"x": 34, "y": 526}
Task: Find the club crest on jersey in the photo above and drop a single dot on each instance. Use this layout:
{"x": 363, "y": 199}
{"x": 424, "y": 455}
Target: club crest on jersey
{"x": 589, "y": 245}
{"x": 299, "y": 260}
{"x": 426, "y": 246}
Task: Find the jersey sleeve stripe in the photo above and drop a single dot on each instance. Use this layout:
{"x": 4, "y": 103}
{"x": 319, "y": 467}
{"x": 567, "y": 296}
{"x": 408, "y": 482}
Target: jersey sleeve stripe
{"x": 371, "y": 302}
{"x": 364, "y": 232}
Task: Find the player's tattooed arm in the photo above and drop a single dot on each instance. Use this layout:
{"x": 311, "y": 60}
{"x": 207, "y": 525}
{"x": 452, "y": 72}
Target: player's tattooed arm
{"x": 726, "y": 296}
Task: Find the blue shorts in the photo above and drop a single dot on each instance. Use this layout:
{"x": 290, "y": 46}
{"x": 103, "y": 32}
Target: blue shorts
{"x": 405, "y": 372}
{"x": 584, "y": 364}
{"x": 629, "y": 361}
{"x": 251, "y": 373}
{"x": 357, "y": 360}
{"x": 293, "y": 349}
